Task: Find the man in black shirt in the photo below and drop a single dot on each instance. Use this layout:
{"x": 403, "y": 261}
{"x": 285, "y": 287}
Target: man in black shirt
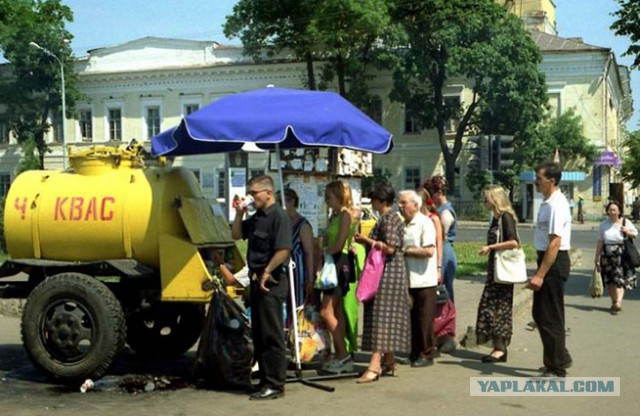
{"x": 269, "y": 234}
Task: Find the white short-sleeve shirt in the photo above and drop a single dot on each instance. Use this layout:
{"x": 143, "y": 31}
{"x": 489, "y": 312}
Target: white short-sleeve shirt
{"x": 611, "y": 233}
{"x": 420, "y": 232}
{"x": 554, "y": 218}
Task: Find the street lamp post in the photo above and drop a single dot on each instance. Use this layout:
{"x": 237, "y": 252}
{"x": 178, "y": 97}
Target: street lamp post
{"x": 64, "y": 103}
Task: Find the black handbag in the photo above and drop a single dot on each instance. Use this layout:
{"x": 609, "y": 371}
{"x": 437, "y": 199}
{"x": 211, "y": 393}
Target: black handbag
{"x": 630, "y": 253}
{"x": 442, "y": 295}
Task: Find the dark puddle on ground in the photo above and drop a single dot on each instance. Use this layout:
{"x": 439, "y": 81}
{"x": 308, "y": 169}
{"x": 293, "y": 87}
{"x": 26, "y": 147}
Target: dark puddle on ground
{"x": 134, "y": 384}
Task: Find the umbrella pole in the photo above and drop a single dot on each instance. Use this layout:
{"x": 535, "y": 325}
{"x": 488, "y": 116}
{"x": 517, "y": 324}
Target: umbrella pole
{"x": 292, "y": 295}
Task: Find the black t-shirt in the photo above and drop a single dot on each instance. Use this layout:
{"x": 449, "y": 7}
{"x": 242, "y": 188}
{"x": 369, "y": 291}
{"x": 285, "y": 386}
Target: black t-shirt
{"x": 508, "y": 231}
{"x": 267, "y": 230}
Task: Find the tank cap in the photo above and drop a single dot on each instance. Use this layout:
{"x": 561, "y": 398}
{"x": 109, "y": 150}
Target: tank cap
{"x": 100, "y": 159}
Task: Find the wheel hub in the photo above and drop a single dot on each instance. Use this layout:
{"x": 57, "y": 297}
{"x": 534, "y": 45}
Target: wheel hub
{"x": 67, "y": 331}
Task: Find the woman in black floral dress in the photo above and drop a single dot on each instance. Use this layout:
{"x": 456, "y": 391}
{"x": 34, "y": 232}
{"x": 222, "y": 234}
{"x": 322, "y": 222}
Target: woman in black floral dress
{"x": 495, "y": 317}
{"x": 617, "y": 274}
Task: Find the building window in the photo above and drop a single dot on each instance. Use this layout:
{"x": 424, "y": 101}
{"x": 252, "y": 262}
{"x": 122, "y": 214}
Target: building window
{"x": 412, "y": 178}
{"x": 115, "y": 124}
{"x": 56, "y": 122}
{"x": 153, "y": 121}
{"x": 196, "y": 173}
{"x": 5, "y": 182}
{"x": 86, "y": 125}
{"x": 255, "y": 172}
{"x": 597, "y": 181}
{"x": 220, "y": 192}
{"x": 410, "y": 125}
{"x": 453, "y": 104}
{"x": 4, "y": 132}
{"x": 190, "y": 108}
{"x": 374, "y": 109}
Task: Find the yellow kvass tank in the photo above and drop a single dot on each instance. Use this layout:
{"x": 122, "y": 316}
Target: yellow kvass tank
{"x": 108, "y": 207}
{"x": 105, "y": 207}
{"x": 114, "y": 252}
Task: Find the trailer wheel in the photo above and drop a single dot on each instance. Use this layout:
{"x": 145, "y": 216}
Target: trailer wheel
{"x": 166, "y": 329}
{"x": 73, "y": 327}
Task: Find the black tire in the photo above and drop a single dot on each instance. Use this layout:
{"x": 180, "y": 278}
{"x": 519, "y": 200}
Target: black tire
{"x": 166, "y": 329}
{"x": 73, "y": 327}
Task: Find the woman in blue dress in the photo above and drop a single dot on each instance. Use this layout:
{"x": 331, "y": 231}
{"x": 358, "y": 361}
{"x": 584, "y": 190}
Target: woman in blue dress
{"x": 437, "y": 188}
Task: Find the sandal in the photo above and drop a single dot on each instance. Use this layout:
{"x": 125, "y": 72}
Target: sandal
{"x": 615, "y": 308}
{"x": 369, "y": 376}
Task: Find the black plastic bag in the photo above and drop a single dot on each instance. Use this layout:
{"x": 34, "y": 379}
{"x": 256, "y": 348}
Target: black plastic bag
{"x": 225, "y": 352}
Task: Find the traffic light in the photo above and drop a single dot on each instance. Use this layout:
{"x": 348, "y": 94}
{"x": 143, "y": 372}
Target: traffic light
{"x": 501, "y": 152}
{"x": 479, "y": 160}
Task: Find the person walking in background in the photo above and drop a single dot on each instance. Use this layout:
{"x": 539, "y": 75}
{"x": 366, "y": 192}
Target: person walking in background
{"x": 268, "y": 250}
{"x": 421, "y": 260}
{"x": 617, "y": 274}
{"x": 495, "y": 312}
{"x": 386, "y": 317}
{"x": 437, "y": 188}
{"x": 338, "y": 241}
{"x": 580, "y": 209}
{"x": 552, "y": 240}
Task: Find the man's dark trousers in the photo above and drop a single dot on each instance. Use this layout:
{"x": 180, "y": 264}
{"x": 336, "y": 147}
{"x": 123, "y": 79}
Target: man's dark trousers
{"x": 548, "y": 314}
{"x": 268, "y": 333}
{"x": 423, "y": 314}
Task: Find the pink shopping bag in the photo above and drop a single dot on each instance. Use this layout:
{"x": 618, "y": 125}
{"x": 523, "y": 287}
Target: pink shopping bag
{"x": 371, "y": 274}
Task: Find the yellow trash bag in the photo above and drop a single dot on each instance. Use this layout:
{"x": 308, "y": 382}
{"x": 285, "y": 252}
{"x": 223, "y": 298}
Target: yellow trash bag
{"x": 596, "y": 286}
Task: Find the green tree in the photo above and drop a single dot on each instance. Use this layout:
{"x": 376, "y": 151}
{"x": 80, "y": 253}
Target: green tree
{"x": 266, "y": 26}
{"x": 627, "y": 24}
{"x": 32, "y": 91}
{"x": 350, "y": 34}
{"x": 475, "y": 42}
{"x": 342, "y": 33}
{"x": 564, "y": 133}
{"x": 630, "y": 165}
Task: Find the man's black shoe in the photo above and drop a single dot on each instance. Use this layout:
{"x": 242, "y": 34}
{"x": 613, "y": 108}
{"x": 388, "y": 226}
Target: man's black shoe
{"x": 267, "y": 393}
{"x": 422, "y": 362}
{"x": 254, "y": 388}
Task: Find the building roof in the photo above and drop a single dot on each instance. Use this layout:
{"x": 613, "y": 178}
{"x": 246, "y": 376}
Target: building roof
{"x": 552, "y": 43}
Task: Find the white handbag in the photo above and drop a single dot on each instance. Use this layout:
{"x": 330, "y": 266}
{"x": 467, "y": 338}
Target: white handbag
{"x": 510, "y": 266}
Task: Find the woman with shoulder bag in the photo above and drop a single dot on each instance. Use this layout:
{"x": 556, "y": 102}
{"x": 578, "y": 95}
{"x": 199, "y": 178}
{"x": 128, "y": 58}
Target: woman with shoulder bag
{"x": 339, "y": 235}
{"x": 386, "y": 326}
{"x": 495, "y": 311}
{"x": 617, "y": 274}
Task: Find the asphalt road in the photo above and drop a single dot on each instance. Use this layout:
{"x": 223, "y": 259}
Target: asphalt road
{"x": 602, "y": 346}
{"x": 581, "y": 238}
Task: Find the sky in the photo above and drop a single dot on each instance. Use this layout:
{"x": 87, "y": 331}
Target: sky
{"x": 112, "y": 22}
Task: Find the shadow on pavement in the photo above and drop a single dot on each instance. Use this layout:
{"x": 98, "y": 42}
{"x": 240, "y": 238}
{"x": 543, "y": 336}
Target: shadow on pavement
{"x": 486, "y": 369}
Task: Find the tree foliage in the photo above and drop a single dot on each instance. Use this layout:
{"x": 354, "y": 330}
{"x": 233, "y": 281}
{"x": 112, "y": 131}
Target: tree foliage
{"x": 266, "y": 26}
{"x": 342, "y": 33}
{"x": 630, "y": 165}
{"x": 32, "y": 90}
{"x": 475, "y": 42}
{"x": 627, "y": 24}
{"x": 563, "y": 133}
